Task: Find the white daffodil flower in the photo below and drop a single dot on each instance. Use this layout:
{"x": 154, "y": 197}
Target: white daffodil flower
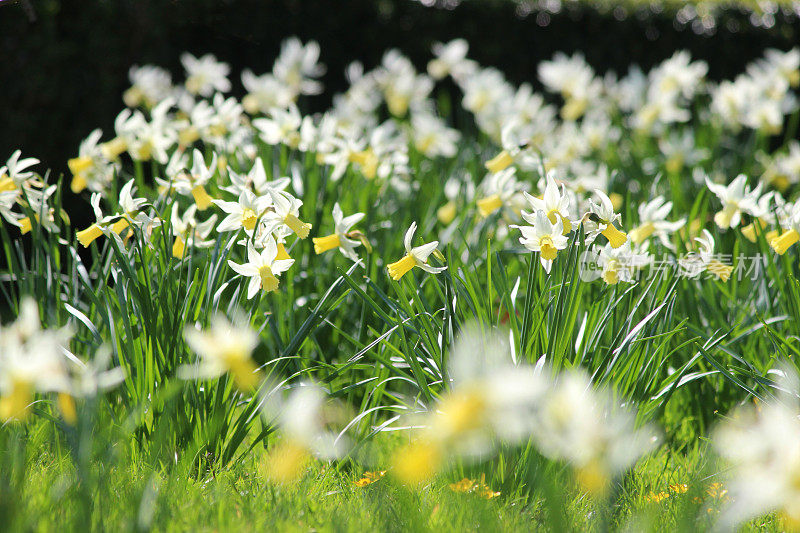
{"x": 415, "y": 257}
{"x": 339, "y": 238}
{"x": 735, "y": 197}
{"x": 263, "y": 268}
{"x": 543, "y": 237}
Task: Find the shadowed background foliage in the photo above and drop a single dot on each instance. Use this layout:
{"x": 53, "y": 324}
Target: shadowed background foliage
{"x": 65, "y": 62}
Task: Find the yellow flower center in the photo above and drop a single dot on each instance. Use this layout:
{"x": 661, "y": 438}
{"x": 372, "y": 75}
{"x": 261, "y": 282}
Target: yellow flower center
{"x": 593, "y": 477}
{"x": 490, "y": 204}
{"x": 547, "y": 249}
{"x": 642, "y": 232}
{"x": 300, "y": 228}
{"x": 113, "y": 148}
{"x": 721, "y": 270}
{"x": 323, "y": 244}
{"x": 574, "y": 108}
{"x": 6, "y": 184}
{"x": 87, "y": 236}
{"x": 249, "y": 218}
{"x": 25, "y": 225}
{"x": 285, "y": 462}
{"x": 749, "y": 231}
{"x": 499, "y": 162}
{"x": 178, "y": 247}
{"x": 268, "y": 280}
{"x": 417, "y": 462}
{"x": 14, "y": 405}
{"x": 282, "y": 253}
{"x": 724, "y": 217}
{"x": 787, "y": 239}
{"x": 120, "y": 225}
{"x": 188, "y": 136}
{"x": 461, "y": 412}
{"x": 242, "y": 368}
{"x": 201, "y": 198}
{"x": 368, "y": 162}
{"x": 446, "y": 213}
{"x": 611, "y": 272}
{"x": 79, "y": 165}
{"x": 615, "y": 237}
{"x": 78, "y": 184}
{"x": 399, "y": 268}
{"x": 66, "y": 404}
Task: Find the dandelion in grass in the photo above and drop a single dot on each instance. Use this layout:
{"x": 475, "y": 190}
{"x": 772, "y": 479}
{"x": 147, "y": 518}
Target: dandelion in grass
{"x": 225, "y": 347}
{"x": 653, "y": 222}
{"x": 735, "y": 197}
{"x": 189, "y": 231}
{"x": 416, "y": 256}
{"x": 31, "y": 361}
{"x": 601, "y": 219}
{"x": 305, "y": 420}
{"x": 342, "y": 238}
{"x": 369, "y": 478}
{"x": 480, "y": 488}
{"x": 543, "y": 236}
{"x": 263, "y": 268}
{"x": 591, "y": 431}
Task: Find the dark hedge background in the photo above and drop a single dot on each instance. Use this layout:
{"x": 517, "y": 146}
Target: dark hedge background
{"x": 64, "y": 62}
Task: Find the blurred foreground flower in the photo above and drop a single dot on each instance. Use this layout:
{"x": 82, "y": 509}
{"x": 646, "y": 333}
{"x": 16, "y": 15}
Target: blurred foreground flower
{"x": 223, "y": 348}
{"x": 762, "y": 444}
{"x": 303, "y": 420}
{"x": 490, "y": 400}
